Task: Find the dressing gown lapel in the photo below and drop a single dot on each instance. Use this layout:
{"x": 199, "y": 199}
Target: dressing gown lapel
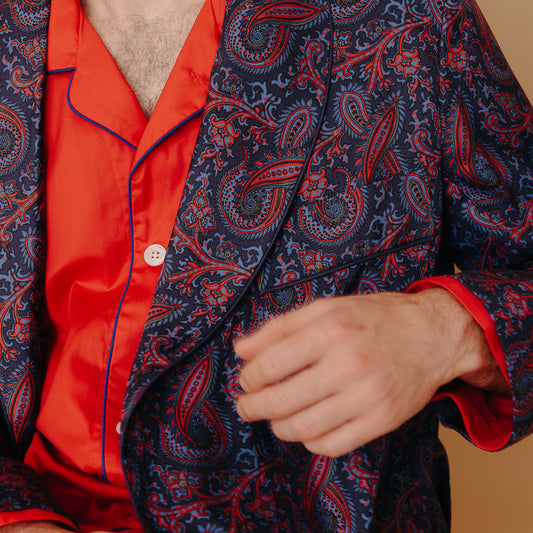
{"x": 263, "y": 113}
{"x": 23, "y": 38}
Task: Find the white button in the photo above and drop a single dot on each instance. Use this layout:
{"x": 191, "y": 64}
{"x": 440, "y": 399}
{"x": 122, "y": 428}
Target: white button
{"x": 118, "y": 428}
{"x": 154, "y": 255}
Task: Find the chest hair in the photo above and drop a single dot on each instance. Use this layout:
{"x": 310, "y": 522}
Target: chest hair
{"x": 145, "y": 50}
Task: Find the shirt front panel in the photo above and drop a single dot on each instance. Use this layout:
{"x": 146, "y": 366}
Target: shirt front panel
{"x": 114, "y": 181}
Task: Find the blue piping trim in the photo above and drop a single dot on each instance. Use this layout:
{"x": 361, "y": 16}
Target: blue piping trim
{"x": 161, "y": 139}
{"x": 60, "y": 70}
{"x": 75, "y": 111}
{"x": 117, "y": 316}
{"x": 130, "y": 214}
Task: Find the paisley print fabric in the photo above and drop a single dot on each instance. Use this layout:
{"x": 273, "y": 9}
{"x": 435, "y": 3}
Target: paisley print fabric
{"x": 23, "y": 27}
{"x": 346, "y": 147}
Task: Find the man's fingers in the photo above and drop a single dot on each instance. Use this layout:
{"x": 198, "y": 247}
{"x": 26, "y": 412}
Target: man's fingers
{"x": 288, "y": 397}
{"x": 330, "y": 413}
{"x": 279, "y": 360}
{"x": 277, "y": 329}
{"x": 314, "y": 421}
{"x": 351, "y": 435}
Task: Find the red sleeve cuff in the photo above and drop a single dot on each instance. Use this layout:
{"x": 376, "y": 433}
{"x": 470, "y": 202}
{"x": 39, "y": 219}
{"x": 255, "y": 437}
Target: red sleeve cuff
{"x": 34, "y": 515}
{"x": 488, "y": 417}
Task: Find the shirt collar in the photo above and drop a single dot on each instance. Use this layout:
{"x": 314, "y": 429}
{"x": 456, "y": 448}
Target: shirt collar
{"x": 63, "y": 34}
{"x": 99, "y": 92}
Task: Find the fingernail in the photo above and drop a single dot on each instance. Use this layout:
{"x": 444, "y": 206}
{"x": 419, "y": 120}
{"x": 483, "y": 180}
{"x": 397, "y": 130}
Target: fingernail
{"x": 239, "y": 412}
{"x": 243, "y": 384}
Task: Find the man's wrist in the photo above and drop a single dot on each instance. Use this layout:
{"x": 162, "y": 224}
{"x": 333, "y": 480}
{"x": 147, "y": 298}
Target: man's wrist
{"x": 469, "y": 357}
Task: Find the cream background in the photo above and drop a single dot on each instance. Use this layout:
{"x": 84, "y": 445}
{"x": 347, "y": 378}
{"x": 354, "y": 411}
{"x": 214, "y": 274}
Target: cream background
{"x": 493, "y": 492}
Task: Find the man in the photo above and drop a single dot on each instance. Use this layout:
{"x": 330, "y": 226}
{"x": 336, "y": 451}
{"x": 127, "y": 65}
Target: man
{"x": 348, "y": 154}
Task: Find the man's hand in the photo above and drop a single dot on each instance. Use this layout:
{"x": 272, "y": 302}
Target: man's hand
{"x": 343, "y": 371}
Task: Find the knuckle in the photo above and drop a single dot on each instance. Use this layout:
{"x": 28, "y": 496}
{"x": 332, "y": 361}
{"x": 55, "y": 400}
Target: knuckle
{"x": 267, "y": 368}
{"x": 333, "y": 328}
{"x": 282, "y": 323}
{"x": 304, "y": 428}
{"x": 278, "y": 325}
{"x": 278, "y": 403}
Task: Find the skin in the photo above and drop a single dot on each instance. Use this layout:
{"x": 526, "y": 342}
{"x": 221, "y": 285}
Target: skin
{"x": 341, "y": 372}
{"x": 144, "y": 38}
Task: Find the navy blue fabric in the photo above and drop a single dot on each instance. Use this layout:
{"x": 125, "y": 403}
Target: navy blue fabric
{"x": 346, "y": 148}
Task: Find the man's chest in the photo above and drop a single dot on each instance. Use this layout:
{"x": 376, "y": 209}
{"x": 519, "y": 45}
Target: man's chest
{"x": 144, "y": 43}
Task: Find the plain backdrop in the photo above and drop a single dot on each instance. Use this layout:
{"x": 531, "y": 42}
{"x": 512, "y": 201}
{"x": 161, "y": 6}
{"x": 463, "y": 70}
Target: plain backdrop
{"x": 493, "y": 492}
